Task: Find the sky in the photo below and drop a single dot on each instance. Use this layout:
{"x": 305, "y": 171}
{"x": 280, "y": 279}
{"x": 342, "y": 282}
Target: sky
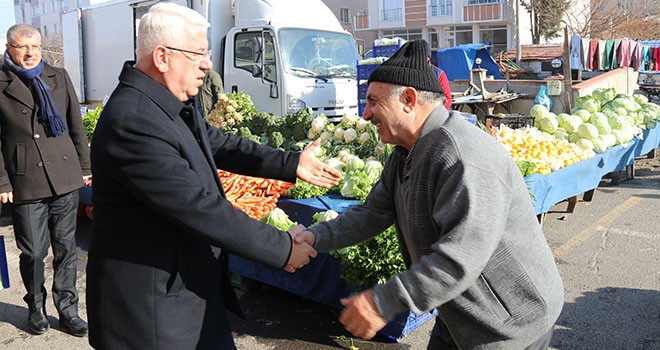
{"x": 7, "y": 19}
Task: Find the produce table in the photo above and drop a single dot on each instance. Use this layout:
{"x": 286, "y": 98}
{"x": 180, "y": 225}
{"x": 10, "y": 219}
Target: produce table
{"x": 584, "y": 176}
{"x": 320, "y": 280}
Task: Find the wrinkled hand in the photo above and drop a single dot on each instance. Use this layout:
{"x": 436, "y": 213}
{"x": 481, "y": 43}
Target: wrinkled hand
{"x": 300, "y": 252}
{"x": 7, "y": 197}
{"x": 305, "y": 236}
{"x": 312, "y": 170}
{"x": 360, "y": 317}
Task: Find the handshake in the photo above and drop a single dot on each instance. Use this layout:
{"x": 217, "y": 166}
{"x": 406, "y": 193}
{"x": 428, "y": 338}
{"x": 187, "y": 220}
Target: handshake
{"x": 302, "y": 250}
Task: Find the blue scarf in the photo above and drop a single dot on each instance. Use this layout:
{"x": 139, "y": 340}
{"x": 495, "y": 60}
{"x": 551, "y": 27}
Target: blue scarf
{"x": 49, "y": 114}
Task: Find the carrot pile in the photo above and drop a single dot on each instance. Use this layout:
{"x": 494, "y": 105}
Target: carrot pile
{"x": 255, "y": 196}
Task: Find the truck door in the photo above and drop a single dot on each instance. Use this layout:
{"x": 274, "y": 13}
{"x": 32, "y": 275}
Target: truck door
{"x": 254, "y": 70}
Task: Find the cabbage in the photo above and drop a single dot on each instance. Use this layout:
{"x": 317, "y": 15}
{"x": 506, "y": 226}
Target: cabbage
{"x": 324, "y": 216}
{"x": 585, "y": 144}
{"x": 626, "y": 102}
{"x": 589, "y": 103}
{"x": 353, "y": 163}
{"x": 561, "y": 134}
{"x": 373, "y": 168}
{"x": 608, "y": 139}
{"x": 572, "y": 123}
{"x": 621, "y": 137}
{"x": 588, "y": 131}
{"x": 583, "y": 114}
{"x": 278, "y": 219}
{"x": 573, "y": 137}
{"x": 561, "y": 119}
{"x": 538, "y": 111}
{"x": 641, "y": 99}
{"x": 548, "y": 123}
{"x": 617, "y": 122}
{"x": 604, "y": 95}
{"x": 599, "y": 144}
{"x": 599, "y": 120}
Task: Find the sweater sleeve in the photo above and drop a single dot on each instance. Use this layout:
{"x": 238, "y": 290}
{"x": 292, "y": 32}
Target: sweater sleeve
{"x": 444, "y": 82}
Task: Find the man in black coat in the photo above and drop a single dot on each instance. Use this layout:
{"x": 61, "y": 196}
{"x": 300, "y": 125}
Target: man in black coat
{"x": 45, "y": 156}
{"x": 157, "y": 271}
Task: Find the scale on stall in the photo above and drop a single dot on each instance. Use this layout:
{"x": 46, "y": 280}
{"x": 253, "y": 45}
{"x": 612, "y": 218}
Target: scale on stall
{"x": 479, "y": 100}
{"x": 649, "y": 84}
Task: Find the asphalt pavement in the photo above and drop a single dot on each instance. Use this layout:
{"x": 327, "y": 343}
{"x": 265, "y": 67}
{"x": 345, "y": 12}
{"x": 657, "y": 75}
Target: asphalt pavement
{"x": 607, "y": 251}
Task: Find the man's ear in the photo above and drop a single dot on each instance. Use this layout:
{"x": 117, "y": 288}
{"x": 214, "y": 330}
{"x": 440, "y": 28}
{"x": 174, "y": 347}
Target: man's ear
{"x": 409, "y": 99}
{"x": 161, "y": 59}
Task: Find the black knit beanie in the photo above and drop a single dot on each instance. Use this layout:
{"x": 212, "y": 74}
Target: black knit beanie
{"x": 408, "y": 67}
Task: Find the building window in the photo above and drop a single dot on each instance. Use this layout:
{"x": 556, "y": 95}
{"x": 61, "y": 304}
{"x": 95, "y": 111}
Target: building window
{"x": 55, "y": 29}
{"x": 43, "y": 8}
{"x": 406, "y": 34}
{"x": 45, "y": 31}
{"x": 344, "y": 15}
{"x": 63, "y": 5}
{"x": 392, "y": 10}
{"x": 35, "y": 10}
{"x": 53, "y": 6}
{"x": 441, "y": 8}
{"x": 496, "y": 35}
{"x": 455, "y": 36}
{"x": 481, "y": 2}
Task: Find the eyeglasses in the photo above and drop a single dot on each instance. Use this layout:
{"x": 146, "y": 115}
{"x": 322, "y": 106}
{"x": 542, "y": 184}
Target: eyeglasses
{"x": 26, "y": 47}
{"x": 198, "y": 55}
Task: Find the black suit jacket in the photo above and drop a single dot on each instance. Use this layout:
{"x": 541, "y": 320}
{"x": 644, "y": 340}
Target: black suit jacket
{"x": 35, "y": 165}
{"x": 162, "y": 226}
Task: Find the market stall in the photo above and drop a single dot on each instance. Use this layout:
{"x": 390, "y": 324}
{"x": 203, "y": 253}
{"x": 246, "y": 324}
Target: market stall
{"x": 550, "y": 189}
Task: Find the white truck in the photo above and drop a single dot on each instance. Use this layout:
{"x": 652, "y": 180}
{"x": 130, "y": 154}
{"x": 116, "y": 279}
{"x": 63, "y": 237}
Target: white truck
{"x": 285, "y": 54}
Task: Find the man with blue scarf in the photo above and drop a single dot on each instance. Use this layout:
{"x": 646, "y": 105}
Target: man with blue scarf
{"x": 45, "y": 156}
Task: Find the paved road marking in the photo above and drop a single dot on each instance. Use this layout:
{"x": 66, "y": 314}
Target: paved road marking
{"x": 589, "y": 231}
{"x": 630, "y": 233}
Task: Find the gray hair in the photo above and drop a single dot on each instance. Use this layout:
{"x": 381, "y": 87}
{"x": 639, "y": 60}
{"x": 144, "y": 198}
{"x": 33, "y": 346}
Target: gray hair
{"x": 165, "y": 24}
{"x": 22, "y": 30}
{"x": 424, "y": 96}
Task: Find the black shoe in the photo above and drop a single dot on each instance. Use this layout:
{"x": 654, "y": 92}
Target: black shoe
{"x": 74, "y": 325}
{"x": 37, "y": 321}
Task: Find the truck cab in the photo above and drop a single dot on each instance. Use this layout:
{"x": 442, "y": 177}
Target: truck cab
{"x": 286, "y": 57}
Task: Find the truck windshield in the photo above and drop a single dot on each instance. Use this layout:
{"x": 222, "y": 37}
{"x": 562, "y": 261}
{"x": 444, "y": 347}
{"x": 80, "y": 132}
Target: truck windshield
{"x": 315, "y": 53}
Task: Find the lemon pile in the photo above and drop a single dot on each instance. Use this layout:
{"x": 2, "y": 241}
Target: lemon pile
{"x": 542, "y": 149}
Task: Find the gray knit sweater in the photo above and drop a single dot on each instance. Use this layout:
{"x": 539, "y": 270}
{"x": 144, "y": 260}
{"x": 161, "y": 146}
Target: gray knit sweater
{"x": 471, "y": 237}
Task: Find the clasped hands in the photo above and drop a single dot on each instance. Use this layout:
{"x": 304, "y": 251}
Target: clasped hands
{"x": 302, "y": 249}
{"x": 360, "y": 315}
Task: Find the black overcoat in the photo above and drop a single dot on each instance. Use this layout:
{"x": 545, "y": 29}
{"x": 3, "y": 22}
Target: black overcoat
{"x": 156, "y": 275}
{"x": 31, "y": 158}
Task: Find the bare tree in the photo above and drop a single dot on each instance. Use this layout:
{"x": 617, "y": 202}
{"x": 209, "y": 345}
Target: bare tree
{"x": 609, "y": 19}
{"x": 52, "y": 50}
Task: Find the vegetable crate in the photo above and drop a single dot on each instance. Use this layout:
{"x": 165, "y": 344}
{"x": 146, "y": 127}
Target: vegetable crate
{"x": 514, "y": 121}
{"x": 406, "y": 322}
{"x": 385, "y": 51}
{"x": 364, "y": 70}
{"x": 362, "y": 91}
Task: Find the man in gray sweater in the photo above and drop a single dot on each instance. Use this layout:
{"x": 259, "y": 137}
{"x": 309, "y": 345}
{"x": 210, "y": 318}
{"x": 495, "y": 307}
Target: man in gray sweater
{"x": 465, "y": 222}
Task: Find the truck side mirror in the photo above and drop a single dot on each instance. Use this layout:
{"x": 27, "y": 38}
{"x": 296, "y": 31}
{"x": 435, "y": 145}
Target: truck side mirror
{"x": 256, "y": 70}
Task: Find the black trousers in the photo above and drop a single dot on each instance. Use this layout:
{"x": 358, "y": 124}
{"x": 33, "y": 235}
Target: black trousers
{"x": 38, "y": 225}
{"x": 442, "y": 340}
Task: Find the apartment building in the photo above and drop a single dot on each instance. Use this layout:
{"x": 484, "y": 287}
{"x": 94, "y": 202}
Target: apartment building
{"x": 347, "y": 11}
{"x": 47, "y": 14}
{"x": 447, "y": 23}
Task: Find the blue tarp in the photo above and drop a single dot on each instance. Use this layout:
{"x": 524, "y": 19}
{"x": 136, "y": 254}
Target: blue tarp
{"x": 457, "y": 61}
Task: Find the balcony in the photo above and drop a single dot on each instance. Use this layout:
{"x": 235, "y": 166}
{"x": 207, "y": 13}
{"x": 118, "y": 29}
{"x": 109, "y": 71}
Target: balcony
{"x": 482, "y": 12}
{"x": 361, "y": 21}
